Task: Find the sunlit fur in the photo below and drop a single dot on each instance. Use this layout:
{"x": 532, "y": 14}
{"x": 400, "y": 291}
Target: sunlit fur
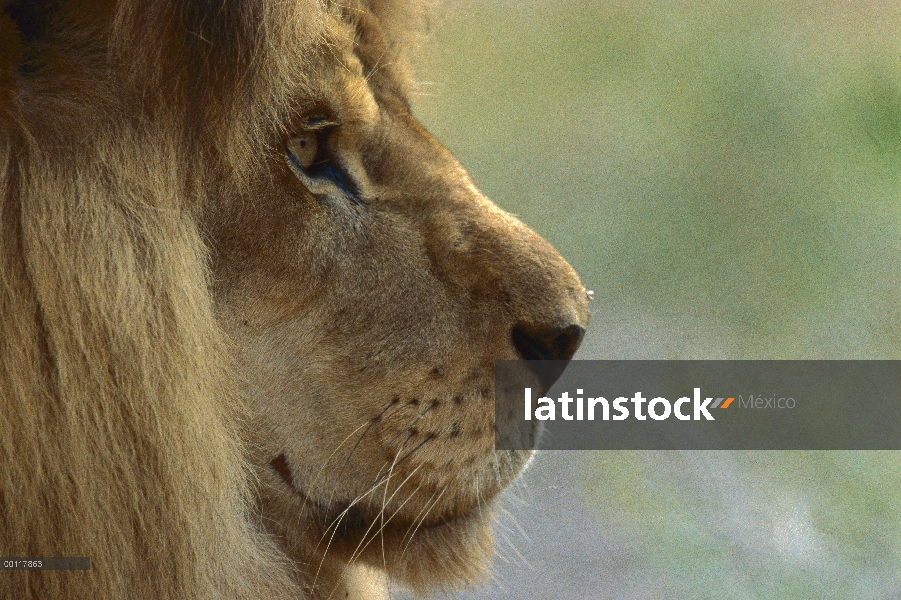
{"x": 212, "y": 382}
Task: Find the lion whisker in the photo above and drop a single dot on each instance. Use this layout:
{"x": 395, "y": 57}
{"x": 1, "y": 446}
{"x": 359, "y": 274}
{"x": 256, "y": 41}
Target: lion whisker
{"x": 427, "y": 439}
{"x": 369, "y": 426}
{"x": 408, "y": 431}
{"x": 478, "y": 493}
{"x": 335, "y": 523}
{"x": 355, "y": 501}
{"x": 355, "y": 554}
{"x": 372, "y": 422}
{"x": 512, "y": 518}
{"x": 324, "y": 464}
{"x": 497, "y": 471}
{"x": 421, "y": 510}
{"x": 394, "y": 514}
{"x": 411, "y": 424}
{"x": 421, "y": 521}
{"x": 378, "y": 474}
{"x": 359, "y": 550}
{"x": 506, "y": 538}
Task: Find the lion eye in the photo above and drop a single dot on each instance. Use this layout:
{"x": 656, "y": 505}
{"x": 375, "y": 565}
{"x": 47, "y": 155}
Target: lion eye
{"x": 303, "y": 149}
{"x": 317, "y": 164}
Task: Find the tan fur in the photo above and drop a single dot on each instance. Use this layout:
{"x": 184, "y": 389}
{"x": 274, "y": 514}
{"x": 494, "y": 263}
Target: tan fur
{"x": 215, "y": 382}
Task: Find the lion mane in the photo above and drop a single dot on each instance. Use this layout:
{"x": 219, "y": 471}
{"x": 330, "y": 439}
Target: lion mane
{"x": 124, "y": 427}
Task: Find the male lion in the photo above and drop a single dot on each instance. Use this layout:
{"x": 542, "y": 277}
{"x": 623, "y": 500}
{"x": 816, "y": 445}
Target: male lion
{"x": 250, "y": 308}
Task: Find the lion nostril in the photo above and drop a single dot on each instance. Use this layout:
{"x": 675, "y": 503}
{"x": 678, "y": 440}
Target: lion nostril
{"x": 547, "y": 343}
{"x": 537, "y": 342}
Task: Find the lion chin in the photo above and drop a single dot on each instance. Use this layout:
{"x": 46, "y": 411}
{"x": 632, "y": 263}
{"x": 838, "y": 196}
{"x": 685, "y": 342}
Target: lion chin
{"x": 441, "y": 550}
{"x": 250, "y": 308}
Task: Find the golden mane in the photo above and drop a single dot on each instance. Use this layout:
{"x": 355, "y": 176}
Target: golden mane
{"x": 120, "y": 422}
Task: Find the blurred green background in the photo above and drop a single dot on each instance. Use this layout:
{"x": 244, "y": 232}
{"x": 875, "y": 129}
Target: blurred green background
{"x": 726, "y": 176}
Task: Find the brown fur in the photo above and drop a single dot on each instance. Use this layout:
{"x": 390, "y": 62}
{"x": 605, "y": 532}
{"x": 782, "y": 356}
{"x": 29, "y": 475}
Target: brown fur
{"x": 218, "y": 380}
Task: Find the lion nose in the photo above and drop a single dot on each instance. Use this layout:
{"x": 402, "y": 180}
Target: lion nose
{"x": 539, "y": 342}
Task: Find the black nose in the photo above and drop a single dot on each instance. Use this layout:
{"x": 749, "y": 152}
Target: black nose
{"x": 547, "y": 343}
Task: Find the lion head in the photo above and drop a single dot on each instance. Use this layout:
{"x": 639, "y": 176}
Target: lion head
{"x": 227, "y": 239}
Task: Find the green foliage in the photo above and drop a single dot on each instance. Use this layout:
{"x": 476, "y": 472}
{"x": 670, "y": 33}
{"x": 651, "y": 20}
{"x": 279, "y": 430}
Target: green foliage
{"x": 774, "y": 525}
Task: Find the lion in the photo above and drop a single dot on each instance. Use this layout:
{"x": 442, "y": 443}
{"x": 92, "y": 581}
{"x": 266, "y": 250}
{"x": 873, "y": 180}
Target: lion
{"x": 250, "y": 307}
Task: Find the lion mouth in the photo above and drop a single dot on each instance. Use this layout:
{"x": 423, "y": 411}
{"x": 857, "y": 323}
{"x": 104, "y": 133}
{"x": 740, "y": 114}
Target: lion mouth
{"x": 349, "y": 519}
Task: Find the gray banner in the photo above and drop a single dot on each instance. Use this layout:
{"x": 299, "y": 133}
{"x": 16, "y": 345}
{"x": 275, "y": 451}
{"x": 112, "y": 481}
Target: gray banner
{"x": 698, "y": 405}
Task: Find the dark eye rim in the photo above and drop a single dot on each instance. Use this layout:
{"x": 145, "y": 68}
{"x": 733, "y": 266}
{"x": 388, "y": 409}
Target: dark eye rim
{"x": 326, "y": 167}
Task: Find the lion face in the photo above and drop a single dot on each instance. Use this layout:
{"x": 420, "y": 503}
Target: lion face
{"x": 369, "y": 287}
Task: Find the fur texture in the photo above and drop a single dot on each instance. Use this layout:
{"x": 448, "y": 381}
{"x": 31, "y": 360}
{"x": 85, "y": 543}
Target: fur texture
{"x": 225, "y": 373}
